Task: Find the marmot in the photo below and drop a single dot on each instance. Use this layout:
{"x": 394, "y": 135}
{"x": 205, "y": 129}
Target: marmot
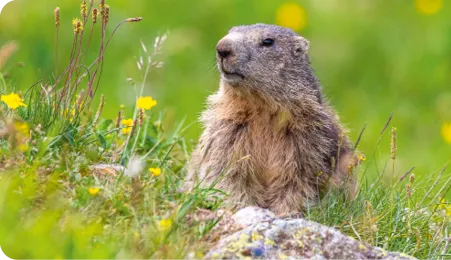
{"x": 270, "y": 138}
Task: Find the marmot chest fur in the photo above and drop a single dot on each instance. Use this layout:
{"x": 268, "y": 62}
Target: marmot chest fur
{"x": 270, "y": 138}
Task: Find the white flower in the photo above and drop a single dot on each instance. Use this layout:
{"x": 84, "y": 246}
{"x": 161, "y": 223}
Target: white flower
{"x": 134, "y": 167}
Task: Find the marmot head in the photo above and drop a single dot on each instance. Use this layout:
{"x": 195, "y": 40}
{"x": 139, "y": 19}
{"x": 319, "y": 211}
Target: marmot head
{"x": 268, "y": 59}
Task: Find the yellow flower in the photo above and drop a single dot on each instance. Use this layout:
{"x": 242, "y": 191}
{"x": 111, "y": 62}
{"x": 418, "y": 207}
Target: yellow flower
{"x": 13, "y": 101}
{"x": 146, "y": 102}
{"x": 78, "y": 25}
{"x": 72, "y": 114}
{"x": 442, "y": 204}
{"x": 446, "y": 207}
{"x": 165, "y": 224}
{"x": 22, "y": 128}
{"x": 362, "y": 158}
{"x": 84, "y": 9}
{"x": 155, "y": 171}
{"x": 136, "y": 235}
{"x": 23, "y": 147}
{"x": 93, "y": 191}
{"x": 291, "y": 15}
{"x": 446, "y": 132}
{"x": 129, "y": 124}
{"x": 23, "y": 133}
{"x": 428, "y": 7}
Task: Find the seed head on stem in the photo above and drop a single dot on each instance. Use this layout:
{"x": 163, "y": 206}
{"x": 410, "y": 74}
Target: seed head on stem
{"x": 78, "y": 26}
{"x": 105, "y": 13}
{"x": 393, "y": 143}
{"x": 408, "y": 191}
{"x": 133, "y": 131}
{"x": 134, "y": 20}
{"x": 57, "y": 17}
{"x": 119, "y": 119}
{"x": 95, "y": 14}
{"x": 412, "y": 178}
{"x": 141, "y": 117}
{"x": 84, "y": 10}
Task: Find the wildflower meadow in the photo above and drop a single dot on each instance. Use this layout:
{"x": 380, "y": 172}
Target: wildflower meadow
{"x": 99, "y": 103}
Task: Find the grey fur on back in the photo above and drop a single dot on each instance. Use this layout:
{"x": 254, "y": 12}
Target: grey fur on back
{"x": 270, "y": 139}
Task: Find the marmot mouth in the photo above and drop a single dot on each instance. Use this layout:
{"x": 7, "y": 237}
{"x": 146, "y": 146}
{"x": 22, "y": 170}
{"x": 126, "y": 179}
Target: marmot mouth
{"x": 232, "y": 74}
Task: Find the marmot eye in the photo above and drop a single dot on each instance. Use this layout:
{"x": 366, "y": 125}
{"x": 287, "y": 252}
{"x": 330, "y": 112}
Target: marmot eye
{"x": 267, "y": 42}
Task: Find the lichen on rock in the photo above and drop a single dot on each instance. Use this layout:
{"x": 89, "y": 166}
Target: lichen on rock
{"x": 264, "y": 236}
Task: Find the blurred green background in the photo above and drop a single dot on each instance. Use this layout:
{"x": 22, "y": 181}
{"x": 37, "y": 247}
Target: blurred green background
{"x": 372, "y": 57}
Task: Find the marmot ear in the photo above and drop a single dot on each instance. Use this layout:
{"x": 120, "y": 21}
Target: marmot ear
{"x": 301, "y": 46}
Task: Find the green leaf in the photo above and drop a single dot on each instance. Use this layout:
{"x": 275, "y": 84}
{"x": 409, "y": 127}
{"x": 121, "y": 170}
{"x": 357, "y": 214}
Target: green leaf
{"x": 105, "y": 124}
{"x": 102, "y": 140}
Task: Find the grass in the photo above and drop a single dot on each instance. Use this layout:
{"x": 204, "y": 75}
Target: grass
{"x": 57, "y": 202}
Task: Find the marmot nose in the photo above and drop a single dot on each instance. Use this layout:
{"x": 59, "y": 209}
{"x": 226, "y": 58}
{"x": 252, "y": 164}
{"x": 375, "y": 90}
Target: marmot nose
{"x": 224, "y": 49}
{"x": 224, "y": 53}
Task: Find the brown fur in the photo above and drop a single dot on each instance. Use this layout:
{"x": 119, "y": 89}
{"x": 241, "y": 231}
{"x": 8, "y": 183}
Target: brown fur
{"x": 270, "y": 149}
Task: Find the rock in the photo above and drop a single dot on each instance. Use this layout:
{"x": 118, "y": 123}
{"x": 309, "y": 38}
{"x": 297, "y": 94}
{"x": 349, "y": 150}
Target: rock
{"x": 252, "y": 215}
{"x": 264, "y": 236}
{"x": 225, "y": 224}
